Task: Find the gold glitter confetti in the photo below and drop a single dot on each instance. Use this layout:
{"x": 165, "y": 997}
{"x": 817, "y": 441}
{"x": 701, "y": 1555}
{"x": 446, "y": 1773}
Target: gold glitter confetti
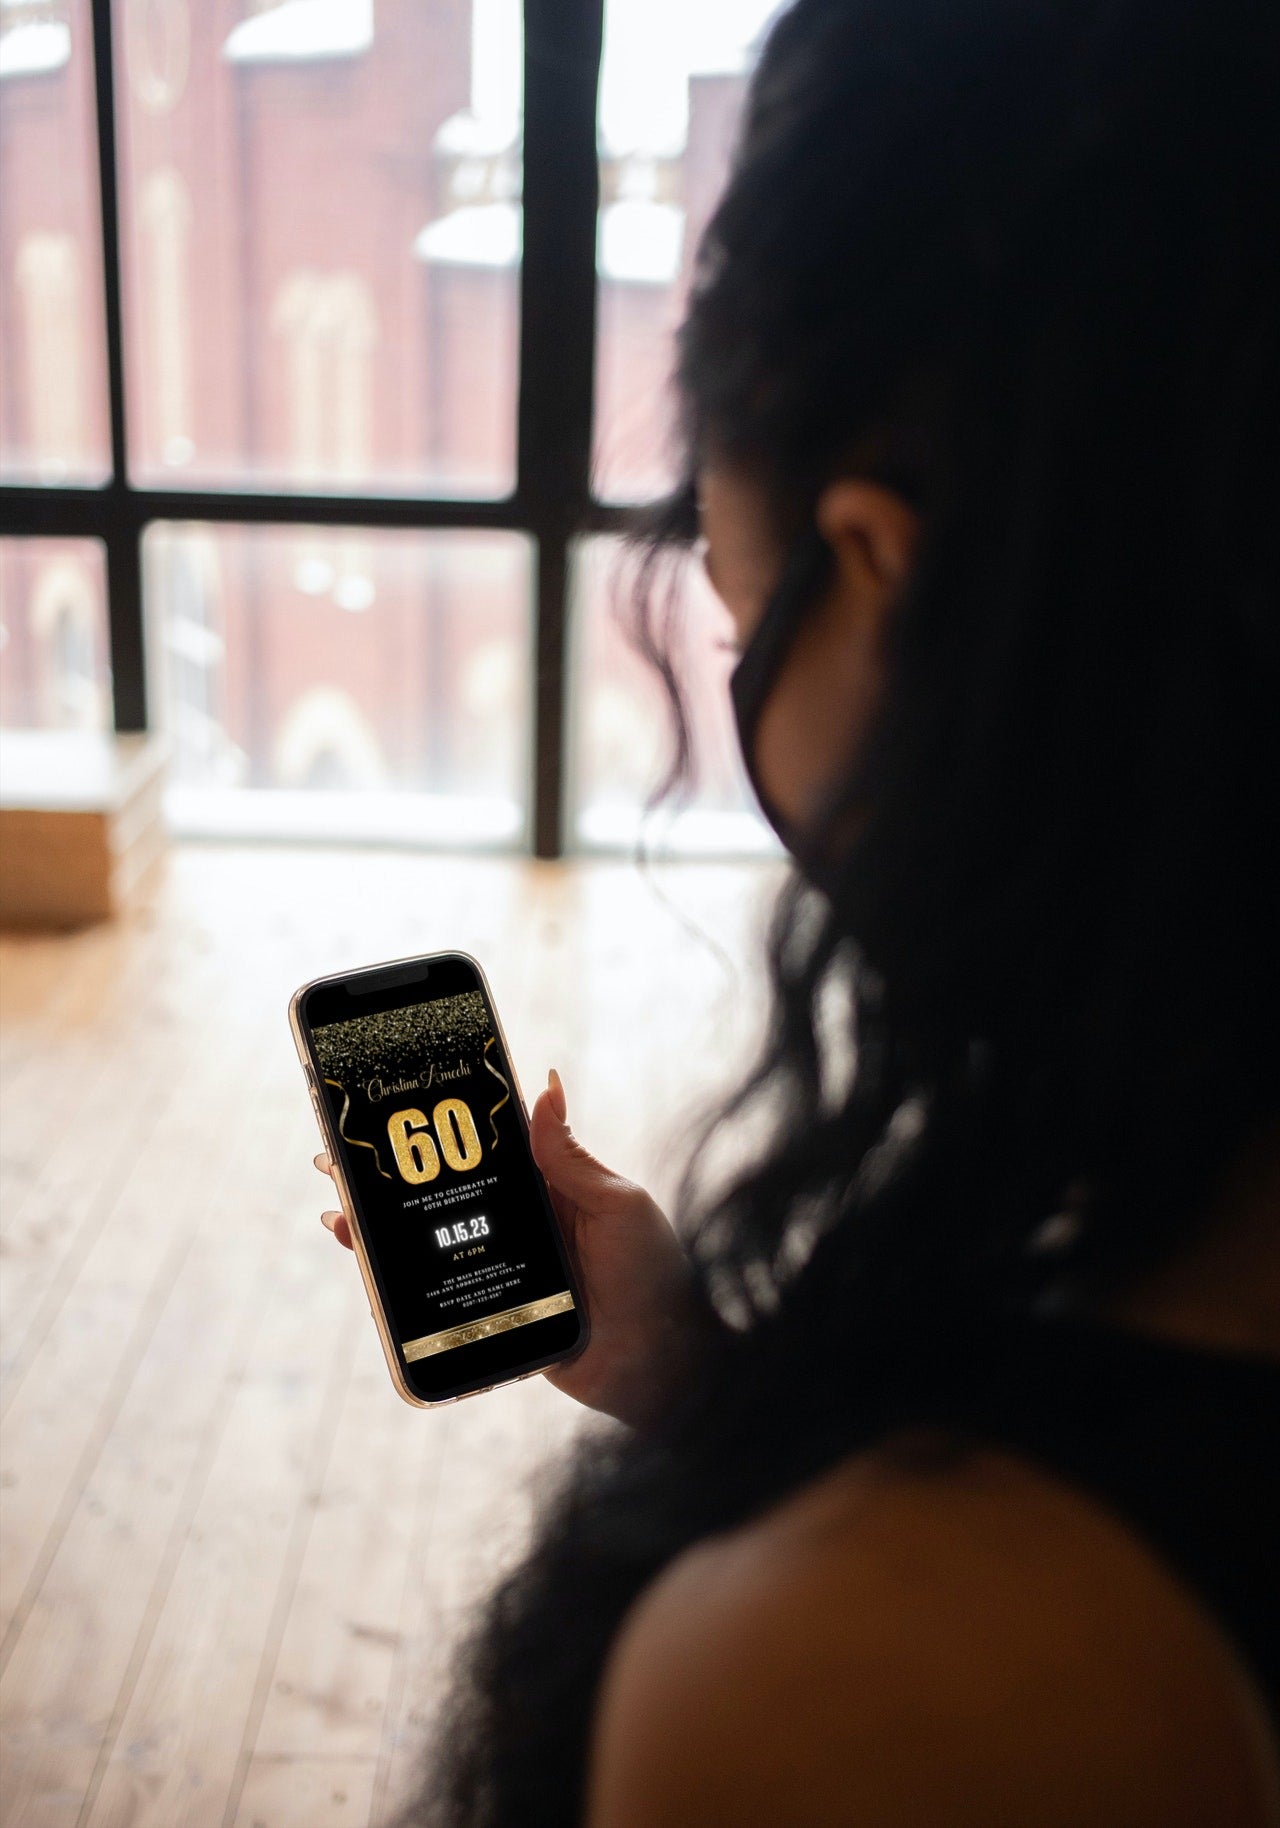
{"x": 402, "y": 1041}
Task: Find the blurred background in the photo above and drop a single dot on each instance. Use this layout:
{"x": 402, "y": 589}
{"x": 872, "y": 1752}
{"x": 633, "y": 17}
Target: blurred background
{"x": 334, "y": 345}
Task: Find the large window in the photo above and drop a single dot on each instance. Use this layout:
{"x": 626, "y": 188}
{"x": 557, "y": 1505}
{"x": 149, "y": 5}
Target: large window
{"x": 320, "y": 230}
{"x": 53, "y": 636}
{"x": 53, "y": 396}
{"x": 672, "y": 79}
{"x": 336, "y": 332}
{"x": 351, "y": 683}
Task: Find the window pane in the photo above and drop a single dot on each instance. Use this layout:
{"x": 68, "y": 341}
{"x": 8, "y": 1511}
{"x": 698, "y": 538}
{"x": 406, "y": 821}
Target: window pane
{"x": 672, "y": 80}
{"x": 621, "y": 733}
{"x": 53, "y": 400}
{"x": 322, "y": 242}
{"x": 55, "y": 671}
{"x": 345, "y": 683}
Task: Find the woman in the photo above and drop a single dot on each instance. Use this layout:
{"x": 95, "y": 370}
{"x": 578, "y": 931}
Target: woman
{"x": 948, "y": 1491}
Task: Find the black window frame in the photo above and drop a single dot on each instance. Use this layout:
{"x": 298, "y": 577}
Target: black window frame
{"x": 552, "y": 501}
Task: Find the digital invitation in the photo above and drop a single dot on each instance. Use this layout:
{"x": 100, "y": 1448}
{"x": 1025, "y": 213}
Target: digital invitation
{"x": 449, "y": 1205}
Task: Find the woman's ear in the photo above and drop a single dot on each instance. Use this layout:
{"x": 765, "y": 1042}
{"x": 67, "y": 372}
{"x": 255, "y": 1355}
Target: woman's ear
{"x": 873, "y": 533}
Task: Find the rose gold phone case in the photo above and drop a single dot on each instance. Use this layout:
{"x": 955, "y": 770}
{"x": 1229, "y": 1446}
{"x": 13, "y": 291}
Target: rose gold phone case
{"x": 348, "y": 1204}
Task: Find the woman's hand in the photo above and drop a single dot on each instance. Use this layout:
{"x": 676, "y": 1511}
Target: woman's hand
{"x": 647, "y": 1324}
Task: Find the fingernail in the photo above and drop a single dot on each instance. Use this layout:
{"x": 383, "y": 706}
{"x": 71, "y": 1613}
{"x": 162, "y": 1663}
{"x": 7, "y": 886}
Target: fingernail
{"x": 558, "y": 1103}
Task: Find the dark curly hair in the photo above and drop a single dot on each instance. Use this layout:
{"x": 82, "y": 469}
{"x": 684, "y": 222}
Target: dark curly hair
{"x": 1016, "y": 259}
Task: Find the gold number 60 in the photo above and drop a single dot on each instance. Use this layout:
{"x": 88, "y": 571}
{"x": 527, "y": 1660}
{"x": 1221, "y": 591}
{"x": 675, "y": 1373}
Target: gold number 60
{"x": 416, "y": 1154}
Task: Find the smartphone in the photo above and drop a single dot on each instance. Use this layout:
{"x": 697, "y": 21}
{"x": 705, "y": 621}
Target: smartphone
{"x": 469, "y": 1277}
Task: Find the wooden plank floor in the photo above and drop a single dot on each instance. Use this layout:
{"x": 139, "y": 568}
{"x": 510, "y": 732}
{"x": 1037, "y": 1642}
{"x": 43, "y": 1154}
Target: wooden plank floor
{"x": 231, "y": 1560}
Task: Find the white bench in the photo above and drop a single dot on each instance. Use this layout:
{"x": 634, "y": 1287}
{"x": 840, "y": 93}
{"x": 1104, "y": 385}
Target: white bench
{"x": 81, "y": 823}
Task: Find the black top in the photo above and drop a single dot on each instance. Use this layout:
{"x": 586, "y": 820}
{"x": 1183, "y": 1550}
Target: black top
{"x": 1182, "y": 1443}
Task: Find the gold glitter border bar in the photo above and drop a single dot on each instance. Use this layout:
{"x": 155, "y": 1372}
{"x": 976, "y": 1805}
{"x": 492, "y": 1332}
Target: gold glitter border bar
{"x": 472, "y": 1330}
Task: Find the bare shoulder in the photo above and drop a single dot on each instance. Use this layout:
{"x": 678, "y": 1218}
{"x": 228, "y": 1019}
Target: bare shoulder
{"x": 927, "y": 1636}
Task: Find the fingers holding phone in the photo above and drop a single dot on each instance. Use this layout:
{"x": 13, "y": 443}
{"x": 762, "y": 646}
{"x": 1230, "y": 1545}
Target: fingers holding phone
{"x": 336, "y": 1222}
{"x": 637, "y": 1278}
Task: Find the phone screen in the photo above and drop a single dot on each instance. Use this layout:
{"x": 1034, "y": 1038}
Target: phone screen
{"x": 455, "y": 1216}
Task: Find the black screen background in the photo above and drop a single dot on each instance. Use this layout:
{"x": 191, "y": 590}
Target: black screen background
{"x": 523, "y": 1257}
